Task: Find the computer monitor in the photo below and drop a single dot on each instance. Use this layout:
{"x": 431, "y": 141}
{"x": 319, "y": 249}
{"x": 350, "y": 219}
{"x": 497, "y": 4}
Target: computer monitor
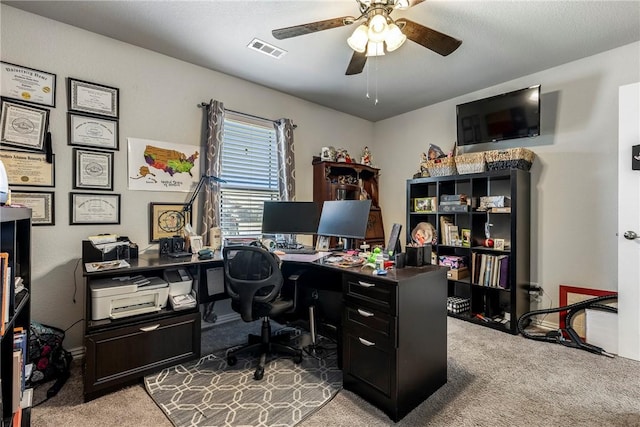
{"x": 346, "y": 219}
{"x": 280, "y": 217}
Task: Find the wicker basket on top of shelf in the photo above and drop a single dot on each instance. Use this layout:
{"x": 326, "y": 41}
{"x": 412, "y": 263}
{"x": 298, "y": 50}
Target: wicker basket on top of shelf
{"x": 471, "y": 163}
{"x": 510, "y": 158}
{"x": 443, "y": 166}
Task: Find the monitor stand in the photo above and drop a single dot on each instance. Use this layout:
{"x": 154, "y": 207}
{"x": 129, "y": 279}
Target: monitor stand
{"x": 291, "y": 242}
{"x": 346, "y": 243}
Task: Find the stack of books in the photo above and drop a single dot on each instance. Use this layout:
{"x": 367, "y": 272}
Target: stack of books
{"x": 453, "y": 203}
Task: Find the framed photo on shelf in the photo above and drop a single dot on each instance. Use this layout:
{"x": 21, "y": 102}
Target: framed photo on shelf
{"x": 27, "y": 84}
{"x": 42, "y": 204}
{"x": 498, "y": 244}
{"x": 322, "y": 244}
{"x": 92, "y": 169}
{"x": 92, "y": 98}
{"x": 93, "y": 208}
{"x": 93, "y": 132}
{"x": 167, "y": 220}
{"x": 425, "y": 204}
{"x": 28, "y": 169}
{"x": 23, "y": 126}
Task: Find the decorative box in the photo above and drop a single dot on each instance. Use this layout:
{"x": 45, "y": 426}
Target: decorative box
{"x": 452, "y": 261}
{"x": 487, "y": 202}
{"x": 458, "y": 273}
{"x": 458, "y": 305}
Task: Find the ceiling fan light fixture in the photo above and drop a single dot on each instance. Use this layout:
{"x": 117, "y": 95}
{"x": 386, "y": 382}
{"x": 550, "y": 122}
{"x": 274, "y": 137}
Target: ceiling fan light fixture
{"x": 394, "y": 38}
{"x": 375, "y": 48}
{"x": 359, "y": 38}
{"x": 377, "y": 28}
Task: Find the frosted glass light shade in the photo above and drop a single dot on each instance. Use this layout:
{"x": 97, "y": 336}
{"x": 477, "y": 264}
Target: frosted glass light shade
{"x": 375, "y": 48}
{"x": 377, "y": 28}
{"x": 359, "y": 38}
{"x": 394, "y": 38}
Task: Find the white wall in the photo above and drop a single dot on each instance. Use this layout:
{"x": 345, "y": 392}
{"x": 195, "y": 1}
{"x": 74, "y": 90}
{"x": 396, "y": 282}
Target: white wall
{"x": 574, "y": 178}
{"x": 158, "y": 98}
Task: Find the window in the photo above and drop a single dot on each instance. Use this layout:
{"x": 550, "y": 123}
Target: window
{"x": 249, "y": 164}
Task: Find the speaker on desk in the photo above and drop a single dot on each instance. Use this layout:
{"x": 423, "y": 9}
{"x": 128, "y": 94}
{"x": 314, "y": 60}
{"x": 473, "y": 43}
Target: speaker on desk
{"x": 177, "y": 244}
{"x": 165, "y": 246}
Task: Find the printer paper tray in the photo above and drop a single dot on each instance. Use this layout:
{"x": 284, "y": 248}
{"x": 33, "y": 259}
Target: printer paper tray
{"x": 119, "y": 313}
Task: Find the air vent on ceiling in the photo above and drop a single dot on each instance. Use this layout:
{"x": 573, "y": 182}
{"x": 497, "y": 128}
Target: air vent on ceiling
{"x": 266, "y": 48}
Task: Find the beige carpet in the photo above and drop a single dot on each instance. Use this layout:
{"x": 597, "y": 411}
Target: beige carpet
{"x": 494, "y": 379}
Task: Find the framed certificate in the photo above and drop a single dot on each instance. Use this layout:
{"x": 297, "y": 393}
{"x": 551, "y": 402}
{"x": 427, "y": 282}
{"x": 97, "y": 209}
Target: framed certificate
{"x": 27, "y": 84}
{"x": 28, "y": 169}
{"x": 92, "y": 131}
{"x": 93, "y": 169}
{"x": 86, "y": 209}
{"x": 166, "y": 220}
{"x": 23, "y": 126}
{"x": 92, "y": 98}
{"x": 42, "y": 204}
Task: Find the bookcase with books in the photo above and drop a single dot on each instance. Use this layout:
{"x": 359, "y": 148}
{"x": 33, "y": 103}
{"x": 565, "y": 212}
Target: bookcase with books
{"x": 480, "y": 226}
{"x": 15, "y": 257}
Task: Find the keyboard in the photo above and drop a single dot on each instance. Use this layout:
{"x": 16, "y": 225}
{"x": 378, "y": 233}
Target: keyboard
{"x": 179, "y": 254}
{"x": 298, "y": 251}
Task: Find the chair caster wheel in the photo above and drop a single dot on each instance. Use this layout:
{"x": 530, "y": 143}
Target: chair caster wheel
{"x": 232, "y": 360}
{"x": 297, "y": 359}
{"x": 258, "y": 374}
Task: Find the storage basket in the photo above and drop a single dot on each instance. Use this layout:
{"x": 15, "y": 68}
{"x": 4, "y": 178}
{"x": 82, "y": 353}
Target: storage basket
{"x": 444, "y": 166}
{"x": 511, "y": 158}
{"x": 471, "y": 163}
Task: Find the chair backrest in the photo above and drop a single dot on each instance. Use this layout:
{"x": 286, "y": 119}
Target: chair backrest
{"x": 252, "y": 275}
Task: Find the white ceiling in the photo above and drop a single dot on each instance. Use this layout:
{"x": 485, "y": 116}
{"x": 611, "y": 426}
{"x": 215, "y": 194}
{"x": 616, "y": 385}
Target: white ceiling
{"x": 501, "y": 40}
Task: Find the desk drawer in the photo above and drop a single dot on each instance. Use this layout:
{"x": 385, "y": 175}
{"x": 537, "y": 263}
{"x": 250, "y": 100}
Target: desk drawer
{"x": 117, "y": 356}
{"x": 370, "y": 293}
{"x": 369, "y": 364}
{"x": 379, "y": 325}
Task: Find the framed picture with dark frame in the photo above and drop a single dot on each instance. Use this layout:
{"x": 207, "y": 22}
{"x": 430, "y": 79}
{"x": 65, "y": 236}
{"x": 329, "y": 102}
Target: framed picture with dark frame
{"x": 23, "y": 126}
{"x": 92, "y": 98}
{"x": 27, "y": 84}
{"x": 28, "y": 169}
{"x": 93, "y": 208}
{"x": 92, "y": 170}
{"x": 167, "y": 220}
{"x": 85, "y": 130}
{"x": 41, "y": 203}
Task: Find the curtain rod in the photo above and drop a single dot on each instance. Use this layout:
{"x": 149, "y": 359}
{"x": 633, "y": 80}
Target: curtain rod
{"x": 206, "y": 105}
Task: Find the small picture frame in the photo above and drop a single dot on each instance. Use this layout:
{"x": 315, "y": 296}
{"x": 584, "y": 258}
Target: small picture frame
{"x": 92, "y": 98}
{"x": 322, "y": 244}
{"x": 92, "y": 169}
{"x": 196, "y": 243}
{"x": 41, "y": 203}
{"x": 498, "y": 244}
{"x": 92, "y": 209}
{"x": 23, "y": 126}
{"x": 465, "y": 236}
{"x": 94, "y": 132}
{"x": 425, "y": 204}
{"x": 167, "y": 220}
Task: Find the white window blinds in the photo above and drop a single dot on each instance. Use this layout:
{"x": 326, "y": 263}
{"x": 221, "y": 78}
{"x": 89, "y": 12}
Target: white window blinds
{"x": 249, "y": 164}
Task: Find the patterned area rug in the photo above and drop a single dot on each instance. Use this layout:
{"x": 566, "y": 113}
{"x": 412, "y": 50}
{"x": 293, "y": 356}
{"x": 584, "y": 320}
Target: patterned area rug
{"x": 210, "y": 393}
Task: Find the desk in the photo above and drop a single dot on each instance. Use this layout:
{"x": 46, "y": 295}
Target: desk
{"x": 392, "y": 331}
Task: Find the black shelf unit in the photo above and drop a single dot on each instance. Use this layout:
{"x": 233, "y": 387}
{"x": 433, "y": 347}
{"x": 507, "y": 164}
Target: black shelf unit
{"x": 15, "y": 239}
{"x": 500, "y": 307}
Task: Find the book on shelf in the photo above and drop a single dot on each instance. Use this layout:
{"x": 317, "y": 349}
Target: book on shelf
{"x": 453, "y": 208}
{"x": 503, "y": 278}
{"x": 16, "y": 385}
{"x": 505, "y": 209}
{"x": 5, "y": 300}
{"x": 453, "y": 198}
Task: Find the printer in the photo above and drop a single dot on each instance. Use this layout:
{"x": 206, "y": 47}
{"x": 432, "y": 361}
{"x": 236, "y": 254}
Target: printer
{"x": 118, "y": 297}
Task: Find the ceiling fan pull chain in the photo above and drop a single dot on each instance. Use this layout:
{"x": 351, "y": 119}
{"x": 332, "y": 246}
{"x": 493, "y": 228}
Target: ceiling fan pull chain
{"x": 375, "y": 61}
{"x": 367, "y": 95}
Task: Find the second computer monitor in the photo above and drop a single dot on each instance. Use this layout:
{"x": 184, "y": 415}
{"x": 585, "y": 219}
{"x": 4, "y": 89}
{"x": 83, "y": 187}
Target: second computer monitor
{"x": 280, "y": 217}
{"x": 344, "y": 218}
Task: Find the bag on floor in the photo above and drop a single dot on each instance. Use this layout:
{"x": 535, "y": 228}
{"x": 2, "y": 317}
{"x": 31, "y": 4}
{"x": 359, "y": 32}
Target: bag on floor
{"x": 50, "y": 360}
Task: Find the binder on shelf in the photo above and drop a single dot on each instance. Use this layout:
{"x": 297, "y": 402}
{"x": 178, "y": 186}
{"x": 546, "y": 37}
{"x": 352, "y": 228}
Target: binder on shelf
{"x": 5, "y": 289}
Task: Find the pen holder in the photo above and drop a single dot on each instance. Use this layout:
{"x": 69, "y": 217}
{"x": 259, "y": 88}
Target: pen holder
{"x": 415, "y": 256}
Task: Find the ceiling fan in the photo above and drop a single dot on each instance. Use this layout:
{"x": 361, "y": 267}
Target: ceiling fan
{"x": 377, "y": 31}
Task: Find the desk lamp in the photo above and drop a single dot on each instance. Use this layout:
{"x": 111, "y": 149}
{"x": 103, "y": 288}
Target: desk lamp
{"x": 210, "y": 178}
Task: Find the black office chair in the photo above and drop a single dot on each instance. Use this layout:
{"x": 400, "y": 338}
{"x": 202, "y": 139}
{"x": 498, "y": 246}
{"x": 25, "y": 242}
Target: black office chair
{"x": 253, "y": 281}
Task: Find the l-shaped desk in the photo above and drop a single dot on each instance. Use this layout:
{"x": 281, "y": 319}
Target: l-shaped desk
{"x": 392, "y": 329}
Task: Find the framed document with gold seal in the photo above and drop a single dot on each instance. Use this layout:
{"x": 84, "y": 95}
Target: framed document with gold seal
{"x": 27, "y": 84}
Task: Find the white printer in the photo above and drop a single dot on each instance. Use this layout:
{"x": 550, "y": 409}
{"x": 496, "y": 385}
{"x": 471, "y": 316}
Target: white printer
{"x": 118, "y": 297}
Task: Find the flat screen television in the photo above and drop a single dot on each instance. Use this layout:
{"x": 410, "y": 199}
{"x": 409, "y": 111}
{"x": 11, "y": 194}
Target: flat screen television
{"x": 290, "y": 217}
{"x": 346, "y": 219}
{"x": 508, "y": 116}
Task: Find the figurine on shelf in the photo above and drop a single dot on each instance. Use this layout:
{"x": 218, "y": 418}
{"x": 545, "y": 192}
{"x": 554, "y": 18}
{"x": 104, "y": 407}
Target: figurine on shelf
{"x": 343, "y": 156}
{"x": 366, "y": 157}
{"x": 328, "y": 154}
{"x": 423, "y": 165}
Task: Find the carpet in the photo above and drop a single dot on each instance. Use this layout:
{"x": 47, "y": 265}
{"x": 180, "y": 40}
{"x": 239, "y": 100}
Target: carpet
{"x": 207, "y": 392}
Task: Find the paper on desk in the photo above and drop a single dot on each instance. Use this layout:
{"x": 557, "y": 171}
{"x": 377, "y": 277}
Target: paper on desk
{"x": 303, "y": 257}
{"x": 105, "y": 265}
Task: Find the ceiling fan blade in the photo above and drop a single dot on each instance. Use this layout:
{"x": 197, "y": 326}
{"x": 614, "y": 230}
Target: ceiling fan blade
{"x": 312, "y": 27}
{"x": 429, "y": 38}
{"x": 356, "y": 65}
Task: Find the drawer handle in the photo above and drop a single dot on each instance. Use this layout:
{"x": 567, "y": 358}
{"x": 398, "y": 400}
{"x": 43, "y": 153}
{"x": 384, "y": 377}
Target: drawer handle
{"x": 365, "y": 342}
{"x": 364, "y": 313}
{"x": 365, "y": 284}
{"x": 150, "y": 328}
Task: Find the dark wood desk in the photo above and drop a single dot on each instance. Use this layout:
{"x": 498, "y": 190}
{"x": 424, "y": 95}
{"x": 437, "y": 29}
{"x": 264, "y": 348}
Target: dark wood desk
{"x": 392, "y": 330}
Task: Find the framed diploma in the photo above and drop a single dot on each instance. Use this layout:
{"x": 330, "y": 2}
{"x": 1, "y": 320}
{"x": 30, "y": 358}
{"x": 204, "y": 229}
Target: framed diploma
{"x": 93, "y": 169}
{"x": 42, "y": 204}
{"x": 94, "y": 209}
{"x": 23, "y": 126}
{"x": 166, "y": 220}
{"x": 92, "y": 98}
{"x": 28, "y": 169}
{"x": 27, "y": 84}
{"x": 91, "y": 131}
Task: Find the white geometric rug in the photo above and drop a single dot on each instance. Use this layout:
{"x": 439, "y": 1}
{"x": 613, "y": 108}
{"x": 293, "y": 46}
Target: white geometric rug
{"x": 207, "y": 392}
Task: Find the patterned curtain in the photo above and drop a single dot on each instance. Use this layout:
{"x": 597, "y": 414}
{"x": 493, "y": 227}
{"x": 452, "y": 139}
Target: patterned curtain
{"x": 215, "y": 121}
{"x": 286, "y": 159}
